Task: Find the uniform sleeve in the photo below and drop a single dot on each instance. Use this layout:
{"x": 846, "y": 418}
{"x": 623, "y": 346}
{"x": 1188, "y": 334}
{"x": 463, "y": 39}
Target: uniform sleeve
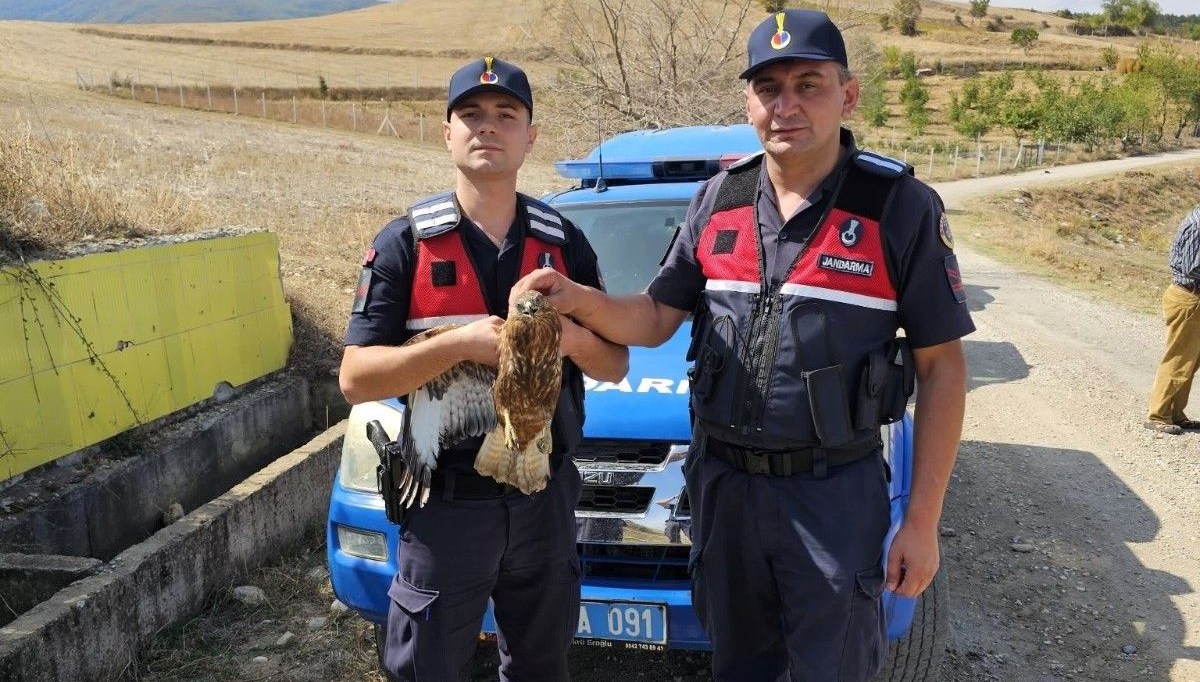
{"x": 931, "y": 294}
{"x": 386, "y": 287}
{"x": 680, "y": 281}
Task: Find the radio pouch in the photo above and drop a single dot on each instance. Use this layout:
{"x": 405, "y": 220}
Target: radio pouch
{"x": 829, "y": 406}
{"x": 900, "y": 383}
{"x": 871, "y": 387}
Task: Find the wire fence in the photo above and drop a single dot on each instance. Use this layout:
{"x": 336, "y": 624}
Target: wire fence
{"x": 395, "y": 112}
{"x": 362, "y": 110}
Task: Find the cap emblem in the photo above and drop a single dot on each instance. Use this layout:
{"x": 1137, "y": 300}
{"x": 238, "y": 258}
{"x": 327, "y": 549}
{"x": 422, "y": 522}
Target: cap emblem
{"x": 781, "y": 38}
{"x": 488, "y": 77}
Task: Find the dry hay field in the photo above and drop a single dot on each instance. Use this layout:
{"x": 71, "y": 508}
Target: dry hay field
{"x": 324, "y": 191}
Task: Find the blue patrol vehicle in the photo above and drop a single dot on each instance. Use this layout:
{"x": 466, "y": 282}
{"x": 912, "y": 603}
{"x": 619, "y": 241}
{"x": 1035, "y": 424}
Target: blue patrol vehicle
{"x": 633, "y": 518}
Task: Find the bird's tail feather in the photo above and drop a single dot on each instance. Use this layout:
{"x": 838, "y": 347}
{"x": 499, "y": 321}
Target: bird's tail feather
{"x": 494, "y": 459}
{"x": 533, "y": 465}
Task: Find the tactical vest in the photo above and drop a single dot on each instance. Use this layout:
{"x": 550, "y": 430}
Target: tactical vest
{"x": 781, "y": 365}
{"x": 446, "y": 287}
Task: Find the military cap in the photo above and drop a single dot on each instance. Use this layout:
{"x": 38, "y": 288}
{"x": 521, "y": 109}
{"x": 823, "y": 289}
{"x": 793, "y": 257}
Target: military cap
{"x": 794, "y": 34}
{"x": 488, "y": 75}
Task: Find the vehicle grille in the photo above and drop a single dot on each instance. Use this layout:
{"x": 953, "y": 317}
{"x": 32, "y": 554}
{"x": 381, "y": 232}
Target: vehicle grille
{"x": 683, "y": 508}
{"x": 640, "y": 453}
{"x": 612, "y": 499}
{"x": 642, "y": 562}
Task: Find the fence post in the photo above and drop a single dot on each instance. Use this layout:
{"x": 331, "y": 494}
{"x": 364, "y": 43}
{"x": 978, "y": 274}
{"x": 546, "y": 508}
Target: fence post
{"x": 421, "y": 126}
{"x": 1041, "y": 151}
{"x": 954, "y": 173}
{"x": 133, "y": 89}
{"x": 209, "y": 86}
{"x": 294, "y": 117}
{"x": 235, "y": 102}
{"x": 156, "y": 101}
{"x": 181, "y": 95}
{"x": 354, "y": 117}
{"x": 999, "y": 157}
{"x": 264, "y": 103}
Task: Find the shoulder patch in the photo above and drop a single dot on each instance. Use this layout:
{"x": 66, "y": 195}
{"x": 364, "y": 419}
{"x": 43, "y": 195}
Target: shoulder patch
{"x": 944, "y": 232}
{"x": 884, "y": 166}
{"x": 954, "y": 279}
{"x": 435, "y": 215}
{"x": 545, "y": 223}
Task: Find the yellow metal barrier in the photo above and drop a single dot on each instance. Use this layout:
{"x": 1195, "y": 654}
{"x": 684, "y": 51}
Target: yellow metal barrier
{"x": 94, "y": 345}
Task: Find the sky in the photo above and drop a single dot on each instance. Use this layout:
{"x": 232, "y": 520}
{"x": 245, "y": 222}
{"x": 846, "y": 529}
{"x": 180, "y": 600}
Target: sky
{"x": 1093, "y": 6}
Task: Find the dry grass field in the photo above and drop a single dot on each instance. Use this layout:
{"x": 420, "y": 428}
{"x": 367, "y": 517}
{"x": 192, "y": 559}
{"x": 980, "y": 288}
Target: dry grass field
{"x": 86, "y": 166}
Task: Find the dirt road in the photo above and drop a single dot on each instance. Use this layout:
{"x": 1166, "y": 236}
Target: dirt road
{"x": 1054, "y": 456}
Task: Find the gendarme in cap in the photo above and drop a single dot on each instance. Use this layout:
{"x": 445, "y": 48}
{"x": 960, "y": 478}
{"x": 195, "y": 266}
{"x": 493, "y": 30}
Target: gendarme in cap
{"x": 794, "y": 34}
{"x": 488, "y": 75}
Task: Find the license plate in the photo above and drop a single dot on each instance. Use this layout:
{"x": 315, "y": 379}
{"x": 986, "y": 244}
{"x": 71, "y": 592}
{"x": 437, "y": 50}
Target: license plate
{"x": 626, "y": 624}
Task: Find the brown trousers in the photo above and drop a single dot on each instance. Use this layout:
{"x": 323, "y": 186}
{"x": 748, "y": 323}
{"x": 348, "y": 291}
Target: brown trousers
{"x": 1173, "y": 383}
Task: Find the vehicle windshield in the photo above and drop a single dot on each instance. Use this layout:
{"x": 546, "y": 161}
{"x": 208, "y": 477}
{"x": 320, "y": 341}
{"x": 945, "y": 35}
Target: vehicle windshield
{"x": 629, "y": 238}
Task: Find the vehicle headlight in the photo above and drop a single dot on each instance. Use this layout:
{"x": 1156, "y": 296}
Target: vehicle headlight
{"x": 361, "y": 543}
{"x": 359, "y": 458}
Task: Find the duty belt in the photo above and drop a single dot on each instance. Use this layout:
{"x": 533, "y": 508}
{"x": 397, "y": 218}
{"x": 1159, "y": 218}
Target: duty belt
{"x": 451, "y": 484}
{"x": 788, "y": 462}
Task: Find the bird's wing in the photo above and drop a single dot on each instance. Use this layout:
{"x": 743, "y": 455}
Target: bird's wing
{"x": 453, "y": 406}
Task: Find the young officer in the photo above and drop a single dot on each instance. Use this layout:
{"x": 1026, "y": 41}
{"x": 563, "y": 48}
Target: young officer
{"x": 453, "y": 259}
{"x": 800, "y": 265}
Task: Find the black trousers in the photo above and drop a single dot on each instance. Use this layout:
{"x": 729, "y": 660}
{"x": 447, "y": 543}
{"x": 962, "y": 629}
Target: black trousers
{"x": 518, "y": 550}
{"x": 787, "y": 573}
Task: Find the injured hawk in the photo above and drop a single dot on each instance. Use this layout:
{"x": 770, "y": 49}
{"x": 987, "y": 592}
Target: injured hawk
{"x": 512, "y": 405}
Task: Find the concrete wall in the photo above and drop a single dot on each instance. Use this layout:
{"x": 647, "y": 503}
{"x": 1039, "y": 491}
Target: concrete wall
{"x": 95, "y": 345}
{"x": 189, "y": 462}
{"x": 92, "y": 628}
{"x": 26, "y": 580}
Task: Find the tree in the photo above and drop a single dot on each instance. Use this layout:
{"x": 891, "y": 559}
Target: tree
{"x": 773, "y": 6}
{"x": 914, "y": 96}
{"x": 1175, "y": 81}
{"x": 651, "y": 63}
{"x": 1132, "y": 14}
{"x": 906, "y": 13}
{"x": 1024, "y": 37}
{"x": 979, "y": 8}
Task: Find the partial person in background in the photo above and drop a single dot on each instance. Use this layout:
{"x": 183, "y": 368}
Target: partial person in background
{"x": 800, "y": 264}
{"x": 453, "y": 259}
{"x": 1181, "y": 357}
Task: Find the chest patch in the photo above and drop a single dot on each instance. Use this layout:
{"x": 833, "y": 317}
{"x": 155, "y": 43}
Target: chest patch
{"x": 725, "y": 242}
{"x": 849, "y": 266}
{"x": 443, "y": 273}
{"x": 850, "y": 232}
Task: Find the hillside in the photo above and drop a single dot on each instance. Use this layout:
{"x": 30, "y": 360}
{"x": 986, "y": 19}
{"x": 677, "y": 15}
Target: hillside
{"x": 325, "y": 174}
{"x": 169, "y": 11}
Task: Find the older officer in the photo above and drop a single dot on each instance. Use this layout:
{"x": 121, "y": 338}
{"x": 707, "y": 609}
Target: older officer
{"x": 453, "y": 258}
{"x": 1181, "y": 357}
{"x": 800, "y": 265}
